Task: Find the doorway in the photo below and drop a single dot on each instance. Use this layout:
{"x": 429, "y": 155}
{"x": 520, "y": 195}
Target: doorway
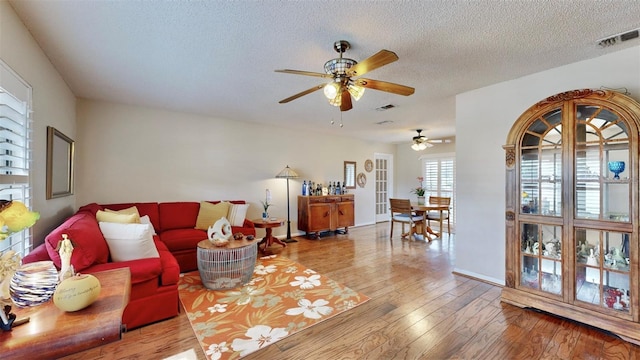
{"x": 383, "y": 168}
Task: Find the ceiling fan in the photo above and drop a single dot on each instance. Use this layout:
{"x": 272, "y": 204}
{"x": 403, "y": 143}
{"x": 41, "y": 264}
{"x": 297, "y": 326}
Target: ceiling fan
{"x": 421, "y": 142}
{"x": 343, "y": 85}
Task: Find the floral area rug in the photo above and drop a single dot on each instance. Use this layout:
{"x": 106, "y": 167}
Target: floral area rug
{"x": 282, "y": 298}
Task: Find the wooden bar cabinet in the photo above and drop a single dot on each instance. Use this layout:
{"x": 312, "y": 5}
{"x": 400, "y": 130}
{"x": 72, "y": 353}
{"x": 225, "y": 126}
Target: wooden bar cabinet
{"x": 325, "y": 213}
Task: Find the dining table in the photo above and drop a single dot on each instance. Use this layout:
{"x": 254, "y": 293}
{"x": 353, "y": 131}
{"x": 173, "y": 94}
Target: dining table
{"x": 423, "y": 228}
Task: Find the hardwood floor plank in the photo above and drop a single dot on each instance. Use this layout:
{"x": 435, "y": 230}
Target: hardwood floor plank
{"x": 418, "y": 309}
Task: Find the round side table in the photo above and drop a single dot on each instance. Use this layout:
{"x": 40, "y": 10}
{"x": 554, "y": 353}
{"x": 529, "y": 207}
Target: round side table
{"x": 226, "y": 267}
{"x": 268, "y": 225}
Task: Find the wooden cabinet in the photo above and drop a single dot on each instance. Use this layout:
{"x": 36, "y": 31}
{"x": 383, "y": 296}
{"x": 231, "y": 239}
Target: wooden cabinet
{"x": 572, "y": 211}
{"x": 325, "y": 213}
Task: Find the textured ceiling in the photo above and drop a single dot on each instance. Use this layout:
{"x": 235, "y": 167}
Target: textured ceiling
{"x": 218, "y": 58}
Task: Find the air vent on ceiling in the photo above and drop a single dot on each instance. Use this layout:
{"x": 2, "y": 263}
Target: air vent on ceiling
{"x": 384, "y": 122}
{"x": 616, "y": 39}
{"x": 386, "y": 107}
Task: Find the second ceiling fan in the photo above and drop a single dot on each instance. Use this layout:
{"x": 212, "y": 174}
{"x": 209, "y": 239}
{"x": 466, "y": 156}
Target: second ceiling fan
{"x": 343, "y": 85}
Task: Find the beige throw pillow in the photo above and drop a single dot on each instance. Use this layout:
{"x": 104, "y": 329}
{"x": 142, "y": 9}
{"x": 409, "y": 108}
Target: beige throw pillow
{"x": 210, "y": 213}
{"x": 105, "y": 216}
{"x": 128, "y": 211}
{"x": 237, "y": 213}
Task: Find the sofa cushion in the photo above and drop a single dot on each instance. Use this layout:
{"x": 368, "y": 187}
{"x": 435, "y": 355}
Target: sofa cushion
{"x": 210, "y": 213}
{"x": 237, "y": 214}
{"x": 89, "y": 246}
{"x": 142, "y": 270}
{"x": 111, "y": 217}
{"x": 178, "y": 215}
{"x": 182, "y": 239}
{"x": 129, "y": 241}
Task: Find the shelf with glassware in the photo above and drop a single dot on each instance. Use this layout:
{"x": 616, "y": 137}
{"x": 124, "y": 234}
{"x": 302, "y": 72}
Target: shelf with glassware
{"x": 572, "y": 215}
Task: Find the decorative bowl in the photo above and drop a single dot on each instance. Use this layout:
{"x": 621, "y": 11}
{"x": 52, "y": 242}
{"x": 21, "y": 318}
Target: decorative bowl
{"x": 616, "y": 167}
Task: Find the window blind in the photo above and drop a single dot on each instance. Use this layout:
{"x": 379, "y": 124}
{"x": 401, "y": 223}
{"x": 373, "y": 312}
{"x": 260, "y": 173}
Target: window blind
{"x": 15, "y": 153}
{"x": 439, "y": 172}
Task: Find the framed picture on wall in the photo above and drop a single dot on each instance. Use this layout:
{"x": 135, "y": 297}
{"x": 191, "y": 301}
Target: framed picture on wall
{"x": 60, "y": 153}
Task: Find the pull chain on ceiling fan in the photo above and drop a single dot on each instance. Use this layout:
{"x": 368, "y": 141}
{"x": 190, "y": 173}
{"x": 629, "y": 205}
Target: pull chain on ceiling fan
{"x": 342, "y": 86}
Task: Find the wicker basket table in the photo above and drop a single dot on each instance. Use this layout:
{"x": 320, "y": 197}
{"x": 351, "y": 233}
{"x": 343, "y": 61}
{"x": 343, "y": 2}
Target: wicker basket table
{"x": 226, "y": 267}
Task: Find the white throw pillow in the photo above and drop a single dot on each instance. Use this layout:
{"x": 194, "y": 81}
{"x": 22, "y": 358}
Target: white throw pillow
{"x": 129, "y": 241}
{"x": 147, "y": 220}
{"x": 237, "y": 213}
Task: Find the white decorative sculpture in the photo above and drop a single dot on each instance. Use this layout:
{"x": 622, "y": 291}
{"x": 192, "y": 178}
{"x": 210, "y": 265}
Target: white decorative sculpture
{"x": 65, "y": 249}
{"x": 220, "y": 232}
{"x": 592, "y": 260}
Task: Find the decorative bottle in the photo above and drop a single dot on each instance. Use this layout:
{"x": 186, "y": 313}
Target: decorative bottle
{"x": 304, "y": 188}
{"x": 338, "y": 189}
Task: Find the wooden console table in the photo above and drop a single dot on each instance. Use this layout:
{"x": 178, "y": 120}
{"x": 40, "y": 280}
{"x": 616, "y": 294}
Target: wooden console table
{"x": 52, "y": 333}
{"x": 325, "y": 213}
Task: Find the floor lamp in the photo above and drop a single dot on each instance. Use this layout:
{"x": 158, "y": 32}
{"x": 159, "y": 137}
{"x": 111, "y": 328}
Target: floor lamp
{"x": 287, "y": 173}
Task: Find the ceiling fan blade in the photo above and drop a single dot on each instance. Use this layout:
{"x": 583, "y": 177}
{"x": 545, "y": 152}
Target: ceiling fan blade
{"x": 306, "y": 73}
{"x": 385, "y": 86}
{"x": 383, "y": 57}
{"x": 439, "y": 141}
{"x": 303, "y": 93}
{"x": 345, "y": 104}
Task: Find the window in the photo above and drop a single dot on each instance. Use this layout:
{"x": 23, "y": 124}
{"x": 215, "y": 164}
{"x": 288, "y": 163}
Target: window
{"x": 15, "y": 153}
{"x": 439, "y": 171}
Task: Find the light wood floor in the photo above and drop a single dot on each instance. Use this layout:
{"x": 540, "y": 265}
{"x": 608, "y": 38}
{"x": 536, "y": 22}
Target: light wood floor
{"x": 418, "y": 310}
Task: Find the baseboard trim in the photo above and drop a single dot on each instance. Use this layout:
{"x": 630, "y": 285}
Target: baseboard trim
{"x": 479, "y": 277}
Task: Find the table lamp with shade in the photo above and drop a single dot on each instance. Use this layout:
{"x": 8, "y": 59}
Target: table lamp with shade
{"x": 288, "y": 173}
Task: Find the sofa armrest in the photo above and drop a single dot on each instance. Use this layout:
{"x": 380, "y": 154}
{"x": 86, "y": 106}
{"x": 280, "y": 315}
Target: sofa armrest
{"x": 170, "y": 268}
{"x": 38, "y": 254}
{"x": 248, "y": 224}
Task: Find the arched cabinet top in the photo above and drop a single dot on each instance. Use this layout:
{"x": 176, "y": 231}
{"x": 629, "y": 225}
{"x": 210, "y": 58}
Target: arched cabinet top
{"x": 626, "y": 106}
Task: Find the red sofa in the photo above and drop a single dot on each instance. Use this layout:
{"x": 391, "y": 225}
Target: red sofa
{"x": 154, "y": 281}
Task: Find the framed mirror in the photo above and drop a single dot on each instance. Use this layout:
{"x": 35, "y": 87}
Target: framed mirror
{"x": 350, "y": 174}
{"x": 60, "y": 152}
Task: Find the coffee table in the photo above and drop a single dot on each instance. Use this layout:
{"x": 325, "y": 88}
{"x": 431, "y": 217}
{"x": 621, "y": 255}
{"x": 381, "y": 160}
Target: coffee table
{"x": 268, "y": 225}
{"x": 226, "y": 267}
{"x": 52, "y": 333}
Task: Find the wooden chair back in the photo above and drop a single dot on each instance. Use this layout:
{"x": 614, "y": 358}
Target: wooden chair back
{"x": 439, "y": 200}
{"x": 400, "y": 206}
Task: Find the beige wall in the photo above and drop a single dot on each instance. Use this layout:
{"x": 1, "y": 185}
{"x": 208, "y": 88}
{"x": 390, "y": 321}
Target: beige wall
{"x": 53, "y": 105}
{"x": 128, "y": 153}
{"x": 483, "y": 119}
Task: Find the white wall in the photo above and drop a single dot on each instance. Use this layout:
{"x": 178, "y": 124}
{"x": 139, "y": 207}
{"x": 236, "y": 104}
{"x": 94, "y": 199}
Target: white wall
{"x": 128, "y": 153}
{"x": 53, "y": 105}
{"x": 483, "y": 119}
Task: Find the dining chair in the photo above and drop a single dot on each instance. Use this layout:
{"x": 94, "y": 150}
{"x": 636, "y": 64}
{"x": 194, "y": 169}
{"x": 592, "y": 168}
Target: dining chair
{"x": 401, "y": 212}
{"x": 440, "y": 215}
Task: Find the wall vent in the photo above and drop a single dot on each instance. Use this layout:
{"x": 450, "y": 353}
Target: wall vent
{"x": 384, "y": 122}
{"x": 385, "y": 107}
{"x": 616, "y": 39}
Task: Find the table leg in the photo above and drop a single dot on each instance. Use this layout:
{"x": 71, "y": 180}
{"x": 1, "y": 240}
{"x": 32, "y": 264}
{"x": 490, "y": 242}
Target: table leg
{"x": 269, "y": 239}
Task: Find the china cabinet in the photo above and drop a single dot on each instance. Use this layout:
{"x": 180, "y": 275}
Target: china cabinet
{"x": 572, "y": 210}
{"x": 325, "y": 213}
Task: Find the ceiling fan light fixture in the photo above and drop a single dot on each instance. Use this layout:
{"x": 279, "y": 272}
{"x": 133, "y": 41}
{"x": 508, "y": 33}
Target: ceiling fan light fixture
{"x": 355, "y": 91}
{"x": 337, "y": 100}
{"x": 331, "y": 90}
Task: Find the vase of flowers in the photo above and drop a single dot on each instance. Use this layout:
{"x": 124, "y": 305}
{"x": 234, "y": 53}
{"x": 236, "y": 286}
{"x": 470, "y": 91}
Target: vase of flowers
{"x": 419, "y": 190}
{"x": 265, "y": 205}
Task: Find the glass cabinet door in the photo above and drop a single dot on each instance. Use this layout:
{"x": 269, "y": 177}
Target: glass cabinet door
{"x": 602, "y": 269}
{"x": 602, "y": 189}
{"x": 541, "y": 255}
